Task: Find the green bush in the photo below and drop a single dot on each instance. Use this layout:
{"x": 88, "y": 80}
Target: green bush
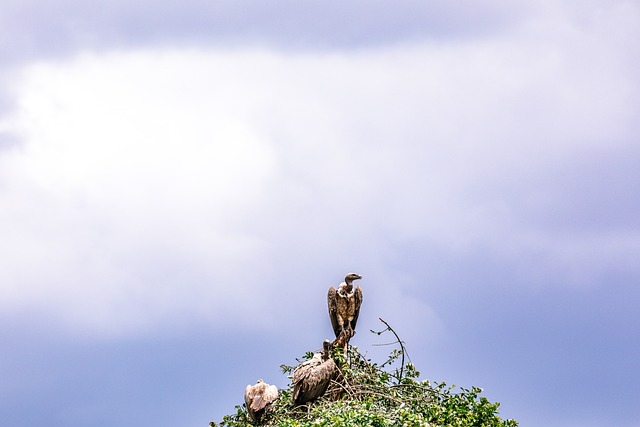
{"x": 368, "y": 394}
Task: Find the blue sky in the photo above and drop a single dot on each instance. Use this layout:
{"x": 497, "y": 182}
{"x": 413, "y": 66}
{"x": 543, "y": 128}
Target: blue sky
{"x": 180, "y": 182}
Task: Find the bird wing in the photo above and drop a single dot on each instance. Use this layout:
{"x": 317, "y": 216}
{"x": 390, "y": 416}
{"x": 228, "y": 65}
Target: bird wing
{"x": 270, "y": 394}
{"x": 303, "y": 369}
{"x": 258, "y": 403}
{"x": 248, "y": 400}
{"x": 298, "y": 381}
{"x": 315, "y": 382}
{"x": 332, "y": 301}
{"x": 299, "y": 373}
{"x": 357, "y": 296}
{"x": 319, "y": 380}
{"x": 248, "y": 395}
{"x": 302, "y": 378}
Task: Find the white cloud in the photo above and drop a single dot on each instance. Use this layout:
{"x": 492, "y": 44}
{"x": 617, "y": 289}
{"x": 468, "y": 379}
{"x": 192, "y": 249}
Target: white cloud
{"x": 118, "y": 176}
{"x": 161, "y": 184}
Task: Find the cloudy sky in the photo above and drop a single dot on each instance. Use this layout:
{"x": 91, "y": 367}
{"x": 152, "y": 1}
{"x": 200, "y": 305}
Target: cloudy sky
{"x": 181, "y": 181}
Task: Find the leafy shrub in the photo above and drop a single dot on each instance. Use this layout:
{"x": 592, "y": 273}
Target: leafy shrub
{"x": 372, "y": 395}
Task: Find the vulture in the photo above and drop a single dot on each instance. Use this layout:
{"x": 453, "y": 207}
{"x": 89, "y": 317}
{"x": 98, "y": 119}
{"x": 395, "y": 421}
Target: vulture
{"x": 258, "y": 397}
{"x": 344, "y": 306}
{"x": 311, "y": 378}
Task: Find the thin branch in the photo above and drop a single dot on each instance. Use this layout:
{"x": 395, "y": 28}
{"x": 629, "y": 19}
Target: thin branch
{"x": 387, "y": 343}
{"x": 389, "y": 328}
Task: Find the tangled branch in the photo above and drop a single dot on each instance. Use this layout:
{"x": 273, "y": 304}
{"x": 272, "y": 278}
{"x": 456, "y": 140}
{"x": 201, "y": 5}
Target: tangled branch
{"x": 367, "y": 393}
{"x": 403, "y": 350}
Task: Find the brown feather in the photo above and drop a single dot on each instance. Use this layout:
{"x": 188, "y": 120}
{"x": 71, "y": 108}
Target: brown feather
{"x": 344, "y": 305}
{"x": 311, "y": 378}
{"x": 357, "y": 296}
{"x": 258, "y": 397}
{"x": 333, "y": 308}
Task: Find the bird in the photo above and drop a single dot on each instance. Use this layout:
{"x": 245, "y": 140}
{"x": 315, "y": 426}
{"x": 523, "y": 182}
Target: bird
{"x": 258, "y": 397}
{"x": 344, "y": 306}
{"x": 311, "y": 378}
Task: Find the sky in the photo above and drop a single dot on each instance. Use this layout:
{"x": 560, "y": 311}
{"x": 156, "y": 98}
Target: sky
{"x": 181, "y": 182}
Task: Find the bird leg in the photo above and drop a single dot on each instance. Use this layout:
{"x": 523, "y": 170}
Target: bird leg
{"x": 346, "y": 336}
{"x": 343, "y": 340}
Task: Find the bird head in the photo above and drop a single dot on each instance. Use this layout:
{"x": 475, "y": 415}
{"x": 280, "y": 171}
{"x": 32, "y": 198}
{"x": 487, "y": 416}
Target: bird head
{"x": 326, "y": 349}
{"x": 351, "y": 277}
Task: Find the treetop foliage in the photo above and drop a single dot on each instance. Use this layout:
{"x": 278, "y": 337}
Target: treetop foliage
{"x": 366, "y": 393}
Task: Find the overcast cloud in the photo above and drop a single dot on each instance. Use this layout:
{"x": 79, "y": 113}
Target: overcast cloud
{"x": 167, "y": 169}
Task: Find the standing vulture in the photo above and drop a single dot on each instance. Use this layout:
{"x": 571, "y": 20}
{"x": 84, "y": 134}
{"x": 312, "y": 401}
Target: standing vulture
{"x": 344, "y": 306}
{"x": 311, "y": 378}
{"x": 258, "y": 397}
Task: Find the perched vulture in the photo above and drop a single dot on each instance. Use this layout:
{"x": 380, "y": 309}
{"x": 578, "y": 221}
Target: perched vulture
{"x": 258, "y": 397}
{"x": 344, "y": 306}
{"x": 311, "y": 378}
